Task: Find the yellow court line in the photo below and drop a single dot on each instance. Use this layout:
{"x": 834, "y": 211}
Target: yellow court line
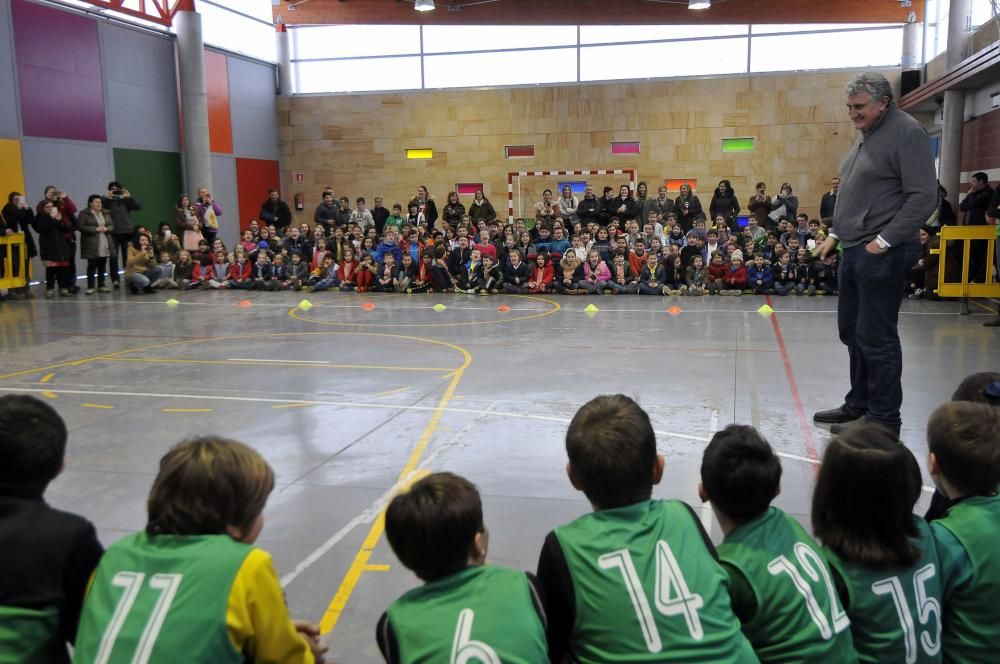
{"x": 388, "y": 392}
{"x": 47, "y": 377}
{"x": 50, "y": 395}
{"x": 97, "y": 405}
{"x": 378, "y": 568}
{"x": 170, "y": 360}
{"x": 406, "y": 477}
{"x": 293, "y": 312}
{"x": 983, "y": 306}
{"x": 294, "y": 405}
{"x": 187, "y": 410}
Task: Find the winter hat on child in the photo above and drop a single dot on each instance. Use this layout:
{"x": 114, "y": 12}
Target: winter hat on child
{"x": 736, "y": 254}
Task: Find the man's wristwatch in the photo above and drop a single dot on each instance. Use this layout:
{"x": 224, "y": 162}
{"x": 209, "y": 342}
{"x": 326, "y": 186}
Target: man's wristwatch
{"x": 882, "y": 244}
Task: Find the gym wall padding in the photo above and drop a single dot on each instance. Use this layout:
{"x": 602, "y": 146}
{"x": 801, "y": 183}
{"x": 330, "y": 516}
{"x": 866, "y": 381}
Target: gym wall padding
{"x": 11, "y": 169}
{"x": 59, "y": 73}
{"x": 154, "y": 178}
{"x": 141, "y": 89}
{"x": 253, "y": 179}
{"x": 220, "y": 122}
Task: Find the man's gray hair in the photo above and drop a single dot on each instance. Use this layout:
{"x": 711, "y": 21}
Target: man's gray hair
{"x": 873, "y": 83}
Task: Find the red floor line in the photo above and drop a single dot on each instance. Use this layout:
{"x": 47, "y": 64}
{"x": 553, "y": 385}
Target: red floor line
{"x": 793, "y": 385}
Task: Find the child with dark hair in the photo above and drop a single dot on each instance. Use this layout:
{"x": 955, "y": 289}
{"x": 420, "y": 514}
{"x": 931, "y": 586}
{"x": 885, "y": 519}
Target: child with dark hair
{"x": 422, "y": 277}
{"x": 675, "y": 275}
{"x": 884, "y": 562}
{"x": 326, "y": 277}
{"x": 697, "y": 276}
{"x": 779, "y": 584}
{"x": 783, "y": 276}
{"x": 759, "y": 275}
{"x": 192, "y": 585}
{"x": 716, "y": 273}
{"x": 441, "y": 280}
{"x": 964, "y": 461}
{"x": 466, "y": 610}
{"x": 518, "y": 273}
{"x": 542, "y": 274}
{"x": 637, "y": 580}
{"x": 296, "y": 272}
{"x": 386, "y": 278}
{"x": 492, "y": 276}
{"x": 651, "y": 277}
{"x": 367, "y": 272}
{"x": 240, "y": 272}
{"x": 623, "y": 281}
{"x": 47, "y": 555}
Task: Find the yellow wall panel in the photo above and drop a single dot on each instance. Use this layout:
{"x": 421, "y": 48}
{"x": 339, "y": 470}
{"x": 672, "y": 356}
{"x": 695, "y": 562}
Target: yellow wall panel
{"x": 11, "y": 171}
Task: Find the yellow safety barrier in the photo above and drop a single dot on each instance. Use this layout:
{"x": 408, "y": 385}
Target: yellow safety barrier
{"x": 14, "y": 251}
{"x": 965, "y": 235}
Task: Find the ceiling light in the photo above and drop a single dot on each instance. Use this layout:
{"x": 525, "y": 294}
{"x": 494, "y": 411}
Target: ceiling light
{"x": 423, "y": 5}
{"x": 699, "y": 4}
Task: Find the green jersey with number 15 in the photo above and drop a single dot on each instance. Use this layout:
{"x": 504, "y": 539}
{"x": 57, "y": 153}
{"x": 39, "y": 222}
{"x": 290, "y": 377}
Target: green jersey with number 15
{"x": 895, "y": 612}
{"x": 648, "y": 588}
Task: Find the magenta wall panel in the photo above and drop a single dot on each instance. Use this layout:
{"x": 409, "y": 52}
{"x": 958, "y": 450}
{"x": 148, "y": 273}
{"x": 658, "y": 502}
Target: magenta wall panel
{"x": 58, "y": 73}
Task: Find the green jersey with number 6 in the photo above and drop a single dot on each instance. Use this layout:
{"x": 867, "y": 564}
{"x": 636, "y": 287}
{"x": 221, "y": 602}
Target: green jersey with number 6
{"x": 895, "y": 613}
{"x": 798, "y": 617}
{"x": 482, "y": 614}
{"x": 161, "y": 599}
{"x": 648, "y": 588}
{"x": 972, "y": 611}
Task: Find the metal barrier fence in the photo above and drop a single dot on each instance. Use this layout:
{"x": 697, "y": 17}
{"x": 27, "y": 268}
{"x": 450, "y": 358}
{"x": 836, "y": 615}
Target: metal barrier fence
{"x": 16, "y": 269}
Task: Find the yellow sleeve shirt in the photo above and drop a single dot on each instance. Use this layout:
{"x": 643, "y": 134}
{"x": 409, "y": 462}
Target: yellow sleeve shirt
{"x": 257, "y": 617}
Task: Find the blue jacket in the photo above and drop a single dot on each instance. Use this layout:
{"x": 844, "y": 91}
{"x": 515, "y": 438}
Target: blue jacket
{"x": 763, "y": 274}
{"x": 388, "y": 248}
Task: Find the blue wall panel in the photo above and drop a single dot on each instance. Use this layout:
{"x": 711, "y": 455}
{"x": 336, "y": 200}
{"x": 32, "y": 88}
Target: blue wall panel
{"x": 141, "y": 89}
{"x": 254, "y": 109}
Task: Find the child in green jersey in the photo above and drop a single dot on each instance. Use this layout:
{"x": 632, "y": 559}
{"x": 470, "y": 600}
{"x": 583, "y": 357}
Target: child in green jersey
{"x": 883, "y": 558}
{"x": 964, "y": 460}
{"x": 466, "y": 610}
{"x": 779, "y": 583}
{"x": 46, "y": 555}
{"x": 191, "y": 587}
{"x": 637, "y": 580}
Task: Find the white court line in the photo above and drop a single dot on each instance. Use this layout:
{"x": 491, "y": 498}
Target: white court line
{"x": 257, "y": 359}
{"x": 315, "y": 402}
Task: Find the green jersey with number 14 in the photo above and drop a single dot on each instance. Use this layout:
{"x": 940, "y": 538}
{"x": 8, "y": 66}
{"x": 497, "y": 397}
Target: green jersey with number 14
{"x": 648, "y": 589}
{"x": 895, "y": 612}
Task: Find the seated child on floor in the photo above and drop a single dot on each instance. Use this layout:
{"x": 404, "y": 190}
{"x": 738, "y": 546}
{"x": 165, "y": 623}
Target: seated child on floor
{"x": 466, "y": 610}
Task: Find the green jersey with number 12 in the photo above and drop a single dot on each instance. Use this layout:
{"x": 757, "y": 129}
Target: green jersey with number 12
{"x": 648, "y": 588}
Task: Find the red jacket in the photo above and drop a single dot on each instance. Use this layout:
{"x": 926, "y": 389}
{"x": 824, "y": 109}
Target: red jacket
{"x": 737, "y": 277}
{"x": 240, "y": 273}
{"x": 348, "y": 271}
{"x": 543, "y": 277}
{"x": 717, "y": 271}
{"x": 637, "y": 263}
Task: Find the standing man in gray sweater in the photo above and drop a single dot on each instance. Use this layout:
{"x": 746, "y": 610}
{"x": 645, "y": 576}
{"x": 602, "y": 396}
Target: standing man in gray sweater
{"x": 888, "y": 190}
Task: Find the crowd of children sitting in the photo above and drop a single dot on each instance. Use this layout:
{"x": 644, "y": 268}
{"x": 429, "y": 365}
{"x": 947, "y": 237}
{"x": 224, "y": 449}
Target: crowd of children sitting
{"x": 658, "y": 258}
{"x": 637, "y": 579}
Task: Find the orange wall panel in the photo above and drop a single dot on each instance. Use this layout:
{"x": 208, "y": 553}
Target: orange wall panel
{"x": 254, "y": 177}
{"x": 220, "y": 124}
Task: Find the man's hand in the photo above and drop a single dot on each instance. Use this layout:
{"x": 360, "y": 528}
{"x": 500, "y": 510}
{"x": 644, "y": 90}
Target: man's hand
{"x": 829, "y": 245}
{"x": 873, "y": 247}
{"x": 311, "y": 632}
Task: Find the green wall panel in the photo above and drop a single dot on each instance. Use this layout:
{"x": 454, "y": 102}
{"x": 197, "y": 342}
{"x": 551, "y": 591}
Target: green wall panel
{"x": 154, "y": 178}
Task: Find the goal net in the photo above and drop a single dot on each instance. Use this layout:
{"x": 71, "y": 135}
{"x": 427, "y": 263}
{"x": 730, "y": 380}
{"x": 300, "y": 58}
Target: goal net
{"x": 524, "y": 188}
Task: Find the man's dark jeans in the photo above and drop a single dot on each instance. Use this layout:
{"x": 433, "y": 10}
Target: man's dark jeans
{"x": 872, "y": 287}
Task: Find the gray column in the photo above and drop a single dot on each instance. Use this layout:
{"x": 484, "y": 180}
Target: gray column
{"x": 954, "y": 100}
{"x": 284, "y": 61}
{"x": 194, "y": 101}
{"x": 912, "y": 33}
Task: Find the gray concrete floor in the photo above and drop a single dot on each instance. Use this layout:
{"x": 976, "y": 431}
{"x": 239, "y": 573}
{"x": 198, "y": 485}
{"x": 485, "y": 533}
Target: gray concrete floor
{"x": 344, "y": 403}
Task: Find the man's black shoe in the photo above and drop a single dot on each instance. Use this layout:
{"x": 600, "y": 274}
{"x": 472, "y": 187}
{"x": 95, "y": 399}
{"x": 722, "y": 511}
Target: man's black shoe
{"x": 840, "y": 415}
{"x": 844, "y": 426}
{"x": 992, "y": 323}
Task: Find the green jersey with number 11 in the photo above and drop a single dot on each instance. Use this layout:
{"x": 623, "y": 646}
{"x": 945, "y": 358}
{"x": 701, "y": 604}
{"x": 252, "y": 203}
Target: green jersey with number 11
{"x": 648, "y": 588}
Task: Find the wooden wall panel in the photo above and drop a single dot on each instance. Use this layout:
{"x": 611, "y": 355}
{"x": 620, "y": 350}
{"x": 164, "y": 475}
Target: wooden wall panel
{"x": 356, "y": 144}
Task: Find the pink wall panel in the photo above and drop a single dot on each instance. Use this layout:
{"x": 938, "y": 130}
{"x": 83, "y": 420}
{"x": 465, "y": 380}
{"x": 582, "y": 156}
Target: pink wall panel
{"x": 59, "y": 73}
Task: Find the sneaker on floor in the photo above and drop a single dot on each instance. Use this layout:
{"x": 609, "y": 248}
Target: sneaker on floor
{"x": 103, "y": 289}
{"x": 840, "y": 415}
{"x": 50, "y": 293}
{"x": 89, "y": 291}
{"x": 65, "y": 292}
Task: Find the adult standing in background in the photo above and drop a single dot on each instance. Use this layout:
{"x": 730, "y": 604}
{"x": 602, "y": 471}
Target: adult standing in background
{"x": 57, "y": 246}
{"x": 725, "y": 204}
{"x": 17, "y": 217}
{"x": 785, "y": 204}
{"x": 547, "y": 210}
{"x": 326, "y": 212}
{"x": 888, "y": 191}
{"x": 662, "y": 204}
{"x": 119, "y": 203}
{"x": 974, "y": 205}
{"x": 61, "y": 201}
{"x": 624, "y": 206}
{"x": 481, "y": 209}
{"x": 276, "y": 211}
{"x": 187, "y": 221}
{"x": 829, "y": 200}
{"x": 688, "y": 208}
{"x": 426, "y": 205}
{"x": 589, "y": 208}
{"x": 453, "y": 211}
{"x": 569, "y": 203}
{"x": 993, "y": 216}
{"x": 209, "y": 211}
{"x": 759, "y": 206}
{"x": 95, "y": 243}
